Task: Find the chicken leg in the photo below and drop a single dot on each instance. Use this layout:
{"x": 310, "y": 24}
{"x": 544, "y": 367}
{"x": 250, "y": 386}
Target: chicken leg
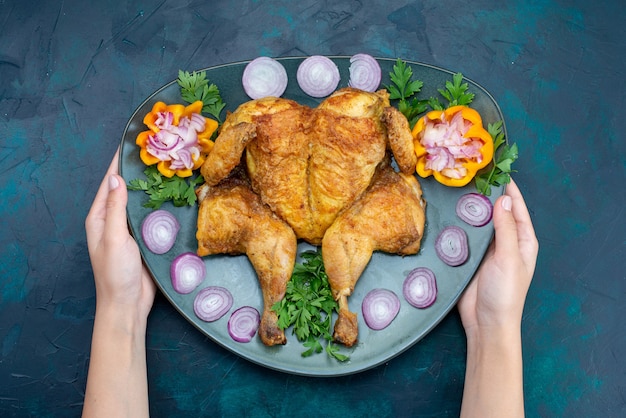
{"x": 388, "y": 217}
{"x": 233, "y": 220}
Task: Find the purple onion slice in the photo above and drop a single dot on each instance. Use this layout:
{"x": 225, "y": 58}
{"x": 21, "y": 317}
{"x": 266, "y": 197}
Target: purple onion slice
{"x": 187, "y": 271}
{"x": 380, "y": 307}
{"x": 365, "y": 72}
{"x": 264, "y": 77}
{"x": 451, "y": 246}
{"x": 318, "y": 76}
{"x": 420, "y": 287}
{"x": 159, "y": 230}
{"x": 243, "y": 324}
{"x": 212, "y": 303}
{"x": 474, "y": 209}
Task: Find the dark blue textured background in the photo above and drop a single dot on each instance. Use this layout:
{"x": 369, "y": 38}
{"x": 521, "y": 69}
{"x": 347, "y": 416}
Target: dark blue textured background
{"x": 72, "y": 72}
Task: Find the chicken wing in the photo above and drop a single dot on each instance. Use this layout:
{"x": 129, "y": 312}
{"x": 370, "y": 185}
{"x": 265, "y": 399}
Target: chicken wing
{"x": 400, "y": 139}
{"x": 388, "y": 217}
{"x": 226, "y": 153}
{"x": 233, "y": 220}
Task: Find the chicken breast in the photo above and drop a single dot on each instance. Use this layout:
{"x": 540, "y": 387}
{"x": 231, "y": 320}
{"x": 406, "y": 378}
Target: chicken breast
{"x": 348, "y": 140}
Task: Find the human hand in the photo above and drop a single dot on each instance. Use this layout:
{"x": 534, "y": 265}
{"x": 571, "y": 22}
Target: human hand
{"x": 117, "y": 380}
{"x": 494, "y": 300}
{"x": 122, "y": 281}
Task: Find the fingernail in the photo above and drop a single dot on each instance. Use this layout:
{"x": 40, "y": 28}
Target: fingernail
{"x": 506, "y": 203}
{"x": 113, "y": 182}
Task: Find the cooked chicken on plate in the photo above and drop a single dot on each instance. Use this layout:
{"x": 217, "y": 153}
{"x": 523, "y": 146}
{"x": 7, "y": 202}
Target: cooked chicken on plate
{"x": 324, "y": 174}
{"x": 388, "y": 217}
{"x": 233, "y": 220}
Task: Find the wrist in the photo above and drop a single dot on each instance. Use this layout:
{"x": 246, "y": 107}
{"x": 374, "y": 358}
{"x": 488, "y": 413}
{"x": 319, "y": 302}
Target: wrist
{"x": 493, "y": 337}
{"x": 123, "y": 319}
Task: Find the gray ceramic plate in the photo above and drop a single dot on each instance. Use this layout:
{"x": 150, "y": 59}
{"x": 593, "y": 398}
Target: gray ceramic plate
{"x": 384, "y": 270}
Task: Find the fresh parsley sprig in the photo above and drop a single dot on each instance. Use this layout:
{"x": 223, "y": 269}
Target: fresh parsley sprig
{"x": 403, "y": 88}
{"x": 504, "y": 156}
{"x": 161, "y": 189}
{"x": 308, "y": 305}
{"x": 195, "y": 86}
{"x": 455, "y": 93}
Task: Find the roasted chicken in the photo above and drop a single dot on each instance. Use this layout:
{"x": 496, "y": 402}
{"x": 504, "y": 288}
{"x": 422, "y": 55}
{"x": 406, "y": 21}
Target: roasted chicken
{"x": 316, "y": 167}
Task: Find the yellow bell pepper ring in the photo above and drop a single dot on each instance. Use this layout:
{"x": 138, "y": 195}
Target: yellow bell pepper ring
{"x": 452, "y": 145}
{"x": 178, "y": 139}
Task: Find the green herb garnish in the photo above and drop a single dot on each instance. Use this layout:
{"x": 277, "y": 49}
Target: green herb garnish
{"x": 504, "y": 156}
{"x": 195, "y": 86}
{"x": 403, "y": 89}
{"x": 161, "y": 189}
{"x": 308, "y": 305}
{"x": 455, "y": 92}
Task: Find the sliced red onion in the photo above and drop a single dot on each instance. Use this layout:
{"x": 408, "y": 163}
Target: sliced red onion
{"x": 163, "y": 141}
{"x": 474, "y": 209}
{"x": 451, "y": 246}
{"x": 196, "y": 122}
{"x": 380, "y": 307}
{"x": 164, "y": 120}
{"x": 420, "y": 287}
{"x": 212, "y": 303}
{"x": 365, "y": 72}
{"x": 264, "y": 77}
{"x": 446, "y": 145}
{"x": 318, "y": 76}
{"x": 159, "y": 230}
{"x": 184, "y": 156}
{"x": 176, "y": 143}
{"x": 243, "y": 324}
{"x": 187, "y": 271}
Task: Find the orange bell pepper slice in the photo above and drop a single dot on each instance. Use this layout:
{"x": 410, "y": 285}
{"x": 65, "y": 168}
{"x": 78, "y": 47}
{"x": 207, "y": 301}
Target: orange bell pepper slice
{"x": 475, "y": 132}
{"x": 178, "y": 111}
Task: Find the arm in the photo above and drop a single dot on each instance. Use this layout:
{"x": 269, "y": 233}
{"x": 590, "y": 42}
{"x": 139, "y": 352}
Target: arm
{"x": 491, "y": 312}
{"x": 117, "y": 379}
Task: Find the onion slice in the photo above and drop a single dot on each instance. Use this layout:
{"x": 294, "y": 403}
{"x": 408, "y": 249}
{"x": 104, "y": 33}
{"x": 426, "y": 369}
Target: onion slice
{"x": 159, "y": 230}
{"x": 212, "y": 303}
{"x": 187, "y": 271}
{"x": 380, "y": 307}
{"x": 263, "y": 77}
{"x": 420, "y": 287}
{"x": 243, "y": 324}
{"x": 318, "y": 76}
{"x": 451, "y": 246}
{"x": 474, "y": 209}
{"x": 365, "y": 72}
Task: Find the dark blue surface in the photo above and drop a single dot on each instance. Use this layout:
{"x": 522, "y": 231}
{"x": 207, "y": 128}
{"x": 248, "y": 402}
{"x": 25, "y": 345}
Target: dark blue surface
{"x": 72, "y": 72}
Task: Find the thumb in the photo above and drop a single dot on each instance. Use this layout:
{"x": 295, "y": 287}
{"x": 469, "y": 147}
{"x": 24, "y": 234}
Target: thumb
{"x": 505, "y": 226}
{"x": 115, "y": 222}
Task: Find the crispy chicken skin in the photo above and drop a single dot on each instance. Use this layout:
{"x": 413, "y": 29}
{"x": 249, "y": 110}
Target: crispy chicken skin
{"x": 277, "y": 163}
{"x": 348, "y": 140}
{"x": 400, "y": 139}
{"x": 226, "y": 155}
{"x": 233, "y": 220}
{"x": 388, "y": 217}
{"x": 322, "y": 173}
{"x": 309, "y": 164}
